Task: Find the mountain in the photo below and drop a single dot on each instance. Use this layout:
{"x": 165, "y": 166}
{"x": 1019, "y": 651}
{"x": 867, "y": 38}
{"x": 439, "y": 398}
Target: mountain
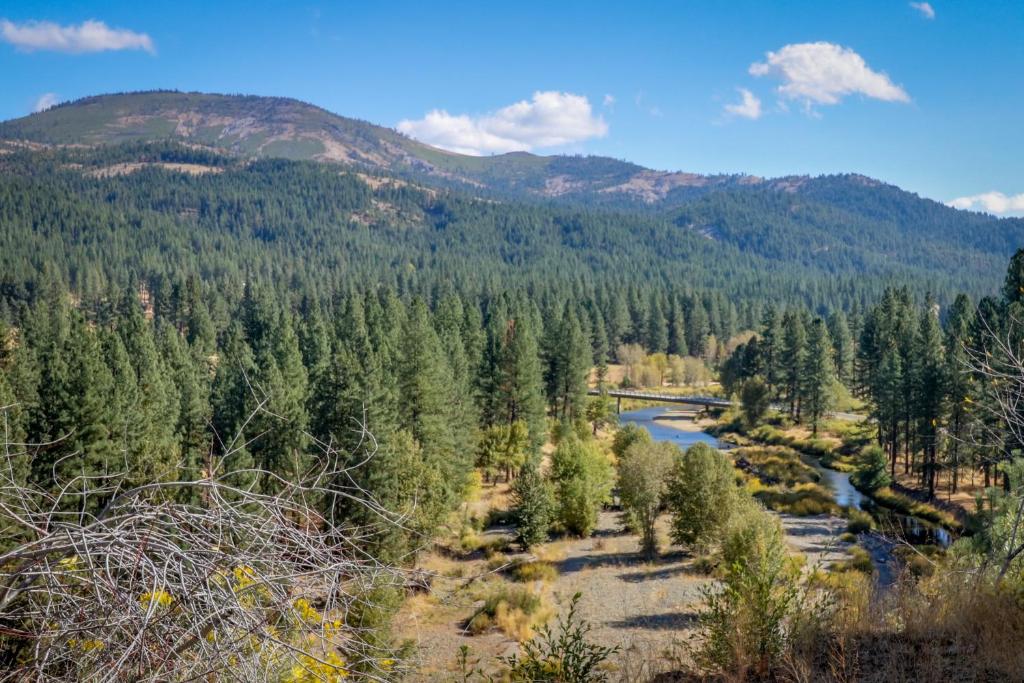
{"x": 194, "y": 169}
{"x": 247, "y": 125}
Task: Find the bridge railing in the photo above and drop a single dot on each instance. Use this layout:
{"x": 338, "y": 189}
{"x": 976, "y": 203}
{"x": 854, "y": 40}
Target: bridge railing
{"x": 666, "y": 398}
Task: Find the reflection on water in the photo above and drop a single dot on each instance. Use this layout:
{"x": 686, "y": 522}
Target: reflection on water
{"x": 905, "y": 527}
{"x": 839, "y": 483}
{"x": 661, "y": 432}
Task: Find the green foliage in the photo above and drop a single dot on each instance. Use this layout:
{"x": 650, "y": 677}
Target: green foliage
{"x": 600, "y": 413}
{"x": 643, "y": 472}
{"x": 744, "y": 625}
{"x": 701, "y": 496}
{"x": 754, "y": 400}
{"x": 583, "y": 482}
{"x": 628, "y": 435}
{"x": 503, "y": 448}
{"x": 817, "y": 394}
{"x": 872, "y": 470}
{"x": 562, "y": 656}
{"x": 533, "y": 507}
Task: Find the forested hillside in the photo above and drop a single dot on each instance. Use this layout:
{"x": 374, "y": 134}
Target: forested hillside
{"x": 255, "y": 410}
{"x": 108, "y": 218}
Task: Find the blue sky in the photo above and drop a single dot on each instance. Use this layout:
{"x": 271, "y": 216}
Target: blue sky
{"x": 929, "y": 98}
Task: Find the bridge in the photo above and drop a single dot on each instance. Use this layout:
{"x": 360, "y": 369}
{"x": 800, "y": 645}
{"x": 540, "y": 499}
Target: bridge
{"x": 702, "y": 401}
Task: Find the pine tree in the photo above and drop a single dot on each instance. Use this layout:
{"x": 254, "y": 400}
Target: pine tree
{"x": 569, "y": 367}
{"x": 677, "y": 331}
{"x": 425, "y": 410}
{"x": 233, "y": 400}
{"x": 75, "y": 411}
{"x": 656, "y": 337}
{"x": 888, "y": 399}
{"x": 818, "y": 376}
{"x": 520, "y": 381}
{"x": 533, "y": 507}
{"x": 771, "y": 350}
{"x": 794, "y": 348}
{"x": 190, "y": 374}
{"x": 281, "y": 449}
{"x": 145, "y": 423}
{"x": 960, "y": 381}
{"x": 698, "y": 328}
{"x": 930, "y": 393}
{"x": 842, "y": 342}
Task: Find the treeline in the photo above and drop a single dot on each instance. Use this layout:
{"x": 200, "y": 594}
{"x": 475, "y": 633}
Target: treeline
{"x": 73, "y": 216}
{"x": 926, "y": 374}
{"x": 168, "y": 389}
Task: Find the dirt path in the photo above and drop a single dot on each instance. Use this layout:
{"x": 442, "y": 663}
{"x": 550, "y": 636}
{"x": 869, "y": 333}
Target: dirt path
{"x": 647, "y": 609}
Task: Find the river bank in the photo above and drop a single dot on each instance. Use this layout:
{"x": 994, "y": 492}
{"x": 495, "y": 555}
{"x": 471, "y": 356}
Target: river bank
{"x": 817, "y": 537}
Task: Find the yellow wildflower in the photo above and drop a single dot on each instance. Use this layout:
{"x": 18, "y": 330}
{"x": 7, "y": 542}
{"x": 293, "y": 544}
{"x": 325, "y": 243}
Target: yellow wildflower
{"x": 306, "y": 611}
{"x": 160, "y": 597}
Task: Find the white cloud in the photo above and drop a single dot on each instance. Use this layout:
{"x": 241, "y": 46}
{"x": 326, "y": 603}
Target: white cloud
{"x": 45, "y": 101}
{"x": 925, "y": 8}
{"x": 991, "y": 202}
{"x": 549, "y": 119}
{"x": 748, "y": 108}
{"x": 89, "y": 36}
{"x": 609, "y": 100}
{"x": 825, "y": 73}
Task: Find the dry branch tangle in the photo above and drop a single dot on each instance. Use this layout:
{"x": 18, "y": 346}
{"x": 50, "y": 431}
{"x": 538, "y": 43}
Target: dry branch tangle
{"x": 151, "y": 588}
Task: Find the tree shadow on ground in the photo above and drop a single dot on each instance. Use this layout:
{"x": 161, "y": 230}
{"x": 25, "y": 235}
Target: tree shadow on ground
{"x": 669, "y": 621}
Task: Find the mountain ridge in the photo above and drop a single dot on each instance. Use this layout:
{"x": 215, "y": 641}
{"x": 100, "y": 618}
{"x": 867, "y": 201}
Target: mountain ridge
{"x": 261, "y": 126}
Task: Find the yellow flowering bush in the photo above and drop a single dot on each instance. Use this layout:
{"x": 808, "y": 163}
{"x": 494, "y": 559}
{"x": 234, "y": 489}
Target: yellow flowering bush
{"x": 160, "y": 597}
{"x": 331, "y": 669}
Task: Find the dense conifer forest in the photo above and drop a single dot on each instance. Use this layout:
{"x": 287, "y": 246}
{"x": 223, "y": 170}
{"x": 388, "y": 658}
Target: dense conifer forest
{"x": 188, "y": 337}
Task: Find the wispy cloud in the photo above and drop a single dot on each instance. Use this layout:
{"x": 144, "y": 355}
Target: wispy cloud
{"x": 609, "y": 100}
{"x": 749, "y": 107}
{"x": 925, "y": 8}
{"x": 825, "y": 73}
{"x": 45, "y": 101}
{"x": 991, "y": 202}
{"x": 640, "y": 99}
{"x": 89, "y": 36}
{"x": 549, "y": 119}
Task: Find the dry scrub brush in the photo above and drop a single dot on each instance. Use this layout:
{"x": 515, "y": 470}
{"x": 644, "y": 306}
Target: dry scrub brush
{"x": 109, "y": 582}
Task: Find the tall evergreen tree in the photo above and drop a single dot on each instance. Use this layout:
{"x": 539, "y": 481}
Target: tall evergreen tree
{"x": 794, "y": 348}
{"x": 818, "y": 377}
{"x": 842, "y": 342}
{"x": 930, "y": 395}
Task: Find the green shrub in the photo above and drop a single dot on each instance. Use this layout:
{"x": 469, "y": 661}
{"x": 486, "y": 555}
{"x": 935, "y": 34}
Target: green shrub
{"x": 743, "y": 624}
{"x": 701, "y": 496}
{"x": 872, "y": 470}
{"x": 562, "y": 656}
{"x": 583, "y": 481}
{"x": 804, "y": 500}
{"x": 860, "y": 561}
{"x": 626, "y": 436}
{"x": 533, "y": 507}
{"x": 643, "y": 470}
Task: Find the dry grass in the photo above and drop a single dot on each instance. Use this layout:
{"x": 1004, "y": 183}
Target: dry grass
{"x": 515, "y": 610}
{"x": 942, "y": 628}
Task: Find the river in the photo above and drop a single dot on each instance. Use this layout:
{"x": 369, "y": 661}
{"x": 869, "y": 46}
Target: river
{"x": 879, "y": 545}
{"x": 646, "y": 418}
